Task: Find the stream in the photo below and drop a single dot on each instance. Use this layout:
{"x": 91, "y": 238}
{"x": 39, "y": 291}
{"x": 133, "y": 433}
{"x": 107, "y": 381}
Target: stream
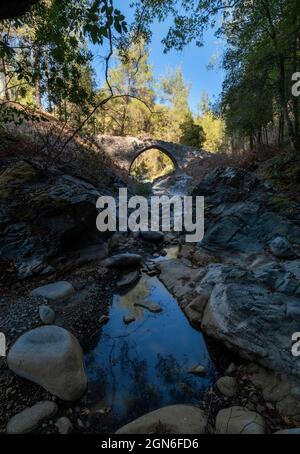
{"x": 141, "y": 366}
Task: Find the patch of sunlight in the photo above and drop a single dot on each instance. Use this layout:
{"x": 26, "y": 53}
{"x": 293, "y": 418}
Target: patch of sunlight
{"x": 152, "y": 164}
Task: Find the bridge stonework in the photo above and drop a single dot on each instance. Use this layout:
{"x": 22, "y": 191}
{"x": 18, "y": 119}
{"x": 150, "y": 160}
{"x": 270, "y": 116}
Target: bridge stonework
{"x": 126, "y": 149}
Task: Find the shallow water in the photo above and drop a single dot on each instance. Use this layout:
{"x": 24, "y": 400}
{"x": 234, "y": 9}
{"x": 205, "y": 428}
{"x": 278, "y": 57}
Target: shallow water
{"x": 142, "y": 366}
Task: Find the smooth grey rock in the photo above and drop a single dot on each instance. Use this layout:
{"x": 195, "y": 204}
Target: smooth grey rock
{"x": 152, "y": 236}
{"x": 64, "y": 425}
{"x": 125, "y": 260}
{"x": 231, "y": 369}
{"x": 289, "y": 406}
{"x": 227, "y": 386}
{"x": 174, "y": 419}
{"x": 31, "y": 418}
{"x": 47, "y": 315}
{"x": 176, "y": 276}
{"x": 51, "y": 357}
{"x": 128, "y": 279}
{"x": 256, "y": 323}
{"x": 239, "y": 420}
{"x": 281, "y": 248}
{"x": 57, "y": 291}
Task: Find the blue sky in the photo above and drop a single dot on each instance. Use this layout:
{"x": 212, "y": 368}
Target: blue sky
{"x": 193, "y": 60}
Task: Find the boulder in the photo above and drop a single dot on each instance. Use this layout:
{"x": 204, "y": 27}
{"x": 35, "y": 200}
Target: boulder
{"x": 126, "y": 260}
{"x": 281, "y": 248}
{"x": 239, "y": 420}
{"x": 57, "y": 291}
{"x": 255, "y": 322}
{"x": 47, "y": 315}
{"x": 31, "y": 418}
{"x": 128, "y": 279}
{"x": 174, "y": 419}
{"x": 152, "y": 236}
{"x": 227, "y": 386}
{"x": 51, "y": 357}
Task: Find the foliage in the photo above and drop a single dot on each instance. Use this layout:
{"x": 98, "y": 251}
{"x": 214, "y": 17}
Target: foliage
{"x": 261, "y": 55}
{"x": 45, "y": 52}
{"x": 214, "y": 130}
{"x": 143, "y": 189}
{"x": 152, "y": 164}
{"x": 191, "y": 133}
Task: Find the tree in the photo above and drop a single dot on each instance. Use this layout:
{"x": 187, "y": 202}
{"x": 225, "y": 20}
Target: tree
{"x": 132, "y": 76}
{"x": 47, "y": 49}
{"x": 191, "y": 133}
{"x": 262, "y": 54}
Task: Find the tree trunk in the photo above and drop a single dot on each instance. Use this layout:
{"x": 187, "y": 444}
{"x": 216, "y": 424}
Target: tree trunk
{"x": 37, "y": 79}
{"x": 5, "y": 82}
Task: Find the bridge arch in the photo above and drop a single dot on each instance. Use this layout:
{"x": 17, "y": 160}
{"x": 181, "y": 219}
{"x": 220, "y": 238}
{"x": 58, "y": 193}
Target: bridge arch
{"x": 154, "y": 147}
{"x": 125, "y": 150}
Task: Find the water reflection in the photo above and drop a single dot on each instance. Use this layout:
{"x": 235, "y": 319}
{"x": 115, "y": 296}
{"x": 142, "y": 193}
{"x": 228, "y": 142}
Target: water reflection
{"x": 142, "y": 366}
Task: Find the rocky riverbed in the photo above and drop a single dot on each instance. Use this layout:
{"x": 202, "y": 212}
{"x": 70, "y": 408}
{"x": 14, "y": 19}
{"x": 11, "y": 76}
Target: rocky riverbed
{"x": 240, "y": 286}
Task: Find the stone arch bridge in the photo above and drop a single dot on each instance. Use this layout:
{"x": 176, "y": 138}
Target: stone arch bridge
{"x": 125, "y": 150}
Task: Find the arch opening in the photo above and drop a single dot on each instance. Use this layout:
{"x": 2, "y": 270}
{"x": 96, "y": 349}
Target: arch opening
{"x": 152, "y": 163}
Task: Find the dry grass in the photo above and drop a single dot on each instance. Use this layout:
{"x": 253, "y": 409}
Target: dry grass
{"x": 42, "y": 143}
{"x": 251, "y": 160}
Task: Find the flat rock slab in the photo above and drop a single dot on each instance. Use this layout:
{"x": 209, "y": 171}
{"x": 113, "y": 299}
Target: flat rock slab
{"x": 239, "y": 420}
{"x": 51, "y": 357}
{"x": 125, "y": 260}
{"x": 176, "y": 276}
{"x": 174, "y": 419}
{"x": 31, "y": 418}
{"x": 58, "y": 291}
{"x": 256, "y": 322}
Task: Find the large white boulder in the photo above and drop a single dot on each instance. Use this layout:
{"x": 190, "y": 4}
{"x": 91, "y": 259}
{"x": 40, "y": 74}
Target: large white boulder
{"x": 51, "y": 357}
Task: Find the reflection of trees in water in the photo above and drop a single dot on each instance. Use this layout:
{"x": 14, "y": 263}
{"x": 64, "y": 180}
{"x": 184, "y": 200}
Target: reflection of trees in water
{"x": 168, "y": 368}
{"x": 143, "y": 395}
{"x": 98, "y": 382}
{"x": 181, "y": 386}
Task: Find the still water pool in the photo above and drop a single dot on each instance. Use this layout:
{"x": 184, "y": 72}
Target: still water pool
{"x": 144, "y": 365}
